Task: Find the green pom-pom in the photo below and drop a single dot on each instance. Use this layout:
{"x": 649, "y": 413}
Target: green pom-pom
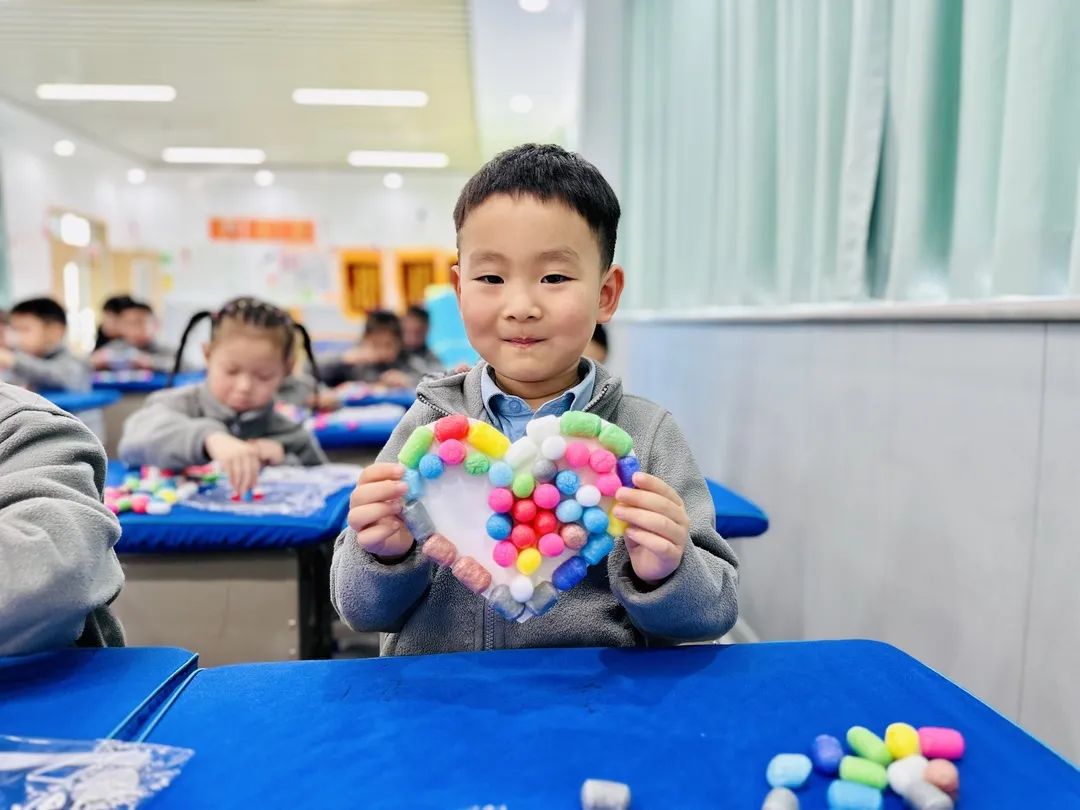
{"x": 477, "y": 464}
{"x": 579, "y": 423}
{"x": 416, "y": 446}
{"x": 523, "y": 485}
{"x": 617, "y": 440}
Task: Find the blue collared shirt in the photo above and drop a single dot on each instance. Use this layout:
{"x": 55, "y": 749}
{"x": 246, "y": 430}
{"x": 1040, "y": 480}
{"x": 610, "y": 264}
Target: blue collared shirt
{"x": 511, "y": 414}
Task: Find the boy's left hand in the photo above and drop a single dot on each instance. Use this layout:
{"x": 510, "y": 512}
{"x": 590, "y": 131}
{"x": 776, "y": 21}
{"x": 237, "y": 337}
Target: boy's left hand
{"x": 269, "y": 451}
{"x": 658, "y": 526}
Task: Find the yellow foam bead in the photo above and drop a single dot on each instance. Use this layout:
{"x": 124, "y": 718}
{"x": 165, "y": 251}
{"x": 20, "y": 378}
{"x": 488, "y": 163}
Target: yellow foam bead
{"x": 902, "y": 740}
{"x": 528, "y": 561}
{"x": 167, "y": 495}
{"x": 488, "y": 440}
{"x": 616, "y": 527}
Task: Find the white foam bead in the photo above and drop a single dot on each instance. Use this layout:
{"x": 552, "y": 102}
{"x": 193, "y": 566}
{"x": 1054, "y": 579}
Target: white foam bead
{"x": 905, "y": 772}
{"x": 543, "y": 428}
{"x": 588, "y": 495}
{"x": 158, "y": 508}
{"x": 553, "y": 448}
{"x": 522, "y": 453}
{"x": 600, "y": 794}
{"x": 521, "y": 588}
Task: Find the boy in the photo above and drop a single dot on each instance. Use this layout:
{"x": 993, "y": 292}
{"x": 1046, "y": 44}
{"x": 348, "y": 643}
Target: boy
{"x": 137, "y": 346}
{"x": 414, "y": 332}
{"x": 109, "y": 328}
{"x": 58, "y": 570}
{"x": 536, "y": 236}
{"x": 379, "y": 357}
{"x": 39, "y": 360}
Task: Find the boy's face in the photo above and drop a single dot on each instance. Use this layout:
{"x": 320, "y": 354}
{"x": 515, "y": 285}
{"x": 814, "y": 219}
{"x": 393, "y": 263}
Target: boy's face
{"x": 383, "y": 345}
{"x": 530, "y": 286}
{"x": 34, "y": 336}
{"x": 137, "y": 327}
{"x": 110, "y": 324}
{"x": 414, "y": 332}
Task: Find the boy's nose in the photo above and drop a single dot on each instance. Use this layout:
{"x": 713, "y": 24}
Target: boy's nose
{"x": 521, "y": 307}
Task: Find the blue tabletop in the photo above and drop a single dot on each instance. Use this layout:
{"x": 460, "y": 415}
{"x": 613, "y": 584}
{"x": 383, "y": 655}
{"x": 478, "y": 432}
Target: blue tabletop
{"x": 735, "y": 515}
{"x": 405, "y": 397}
{"x": 188, "y": 529}
{"x": 76, "y": 401}
{"x": 689, "y": 727}
{"x": 88, "y": 694}
{"x": 337, "y": 436}
{"x": 142, "y": 383}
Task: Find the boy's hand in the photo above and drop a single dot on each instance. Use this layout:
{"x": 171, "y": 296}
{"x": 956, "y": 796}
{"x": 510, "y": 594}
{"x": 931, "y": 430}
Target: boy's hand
{"x": 238, "y": 459}
{"x": 100, "y": 359}
{"x": 658, "y": 526}
{"x": 374, "y": 510}
{"x": 269, "y": 451}
{"x": 395, "y": 378}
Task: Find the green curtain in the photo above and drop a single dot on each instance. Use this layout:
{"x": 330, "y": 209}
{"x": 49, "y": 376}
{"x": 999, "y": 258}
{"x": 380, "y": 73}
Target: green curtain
{"x": 785, "y": 151}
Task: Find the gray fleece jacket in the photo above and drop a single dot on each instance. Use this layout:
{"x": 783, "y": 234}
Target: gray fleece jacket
{"x": 57, "y": 371}
{"x": 426, "y": 609}
{"x": 58, "y": 569}
{"x": 170, "y": 430}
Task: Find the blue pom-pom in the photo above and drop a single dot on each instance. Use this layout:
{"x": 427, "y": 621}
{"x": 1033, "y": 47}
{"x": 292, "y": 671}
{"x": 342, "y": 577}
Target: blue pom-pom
{"x": 499, "y": 526}
{"x": 595, "y": 520}
{"x": 415, "y": 485}
{"x": 431, "y": 466}
{"x": 598, "y": 547}
{"x": 826, "y": 752}
{"x": 501, "y": 474}
{"x": 567, "y": 482}
{"x": 570, "y": 573}
{"x": 569, "y": 511}
{"x": 626, "y": 469}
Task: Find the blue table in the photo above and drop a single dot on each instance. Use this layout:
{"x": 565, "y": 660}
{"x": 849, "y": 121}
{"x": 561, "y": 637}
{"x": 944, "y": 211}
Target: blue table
{"x": 405, "y": 397}
{"x": 735, "y": 515}
{"x": 88, "y": 694}
{"x": 145, "y": 385}
{"x": 689, "y": 727}
{"x": 339, "y": 436}
{"x": 76, "y": 401}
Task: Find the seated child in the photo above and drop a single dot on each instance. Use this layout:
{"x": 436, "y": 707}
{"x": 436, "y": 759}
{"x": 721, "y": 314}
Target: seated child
{"x": 109, "y": 328}
{"x": 536, "y": 236}
{"x": 378, "y": 358}
{"x": 414, "y": 333}
{"x": 230, "y": 417}
{"x": 38, "y": 359}
{"x": 58, "y": 570}
{"x": 137, "y": 346}
{"x": 597, "y": 348}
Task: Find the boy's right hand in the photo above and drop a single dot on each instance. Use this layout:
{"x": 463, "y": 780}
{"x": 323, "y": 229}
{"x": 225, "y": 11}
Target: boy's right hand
{"x": 374, "y": 510}
{"x": 238, "y": 459}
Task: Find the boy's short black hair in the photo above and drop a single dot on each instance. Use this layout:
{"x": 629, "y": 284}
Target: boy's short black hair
{"x": 418, "y": 311}
{"x": 382, "y": 320}
{"x": 548, "y": 172}
{"x": 44, "y": 309}
{"x": 599, "y": 336}
{"x": 117, "y": 304}
{"x": 141, "y": 306}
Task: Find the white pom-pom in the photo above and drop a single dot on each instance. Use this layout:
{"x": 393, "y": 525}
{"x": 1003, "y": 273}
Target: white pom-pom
{"x": 588, "y": 495}
{"x": 543, "y": 428}
{"x": 522, "y": 453}
{"x": 521, "y": 588}
{"x": 553, "y": 448}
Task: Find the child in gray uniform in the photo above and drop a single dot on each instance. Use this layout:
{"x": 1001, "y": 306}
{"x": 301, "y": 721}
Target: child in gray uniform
{"x": 39, "y": 360}
{"x": 230, "y": 417}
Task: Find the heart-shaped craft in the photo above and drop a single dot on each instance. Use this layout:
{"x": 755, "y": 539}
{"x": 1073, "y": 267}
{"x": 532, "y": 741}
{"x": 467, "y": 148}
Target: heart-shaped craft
{"x": 517, "y": 523}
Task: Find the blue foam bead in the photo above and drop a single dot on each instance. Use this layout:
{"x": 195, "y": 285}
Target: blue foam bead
{"x": 570, "y": 573}
{"x": 431, "y": 466}
{"x": 567, "y": 482}
{"x": 598, "y": 547}
{"x": 826, "y": 753}
{"x": 501, "y": 474}
{"x": 844, "y": 795}
{"x": 788, "y": 770}
{"x": 595, "y": 520}
{"x": 499, "y": 526}
{"x": 626, "y": 468}
{"x": 415, "y": 485}
{"x": 569, "y": 511}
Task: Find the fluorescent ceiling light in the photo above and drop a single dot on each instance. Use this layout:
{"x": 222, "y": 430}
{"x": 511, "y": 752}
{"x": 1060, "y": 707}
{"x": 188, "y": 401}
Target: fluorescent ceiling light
{"x": 136, "y": 176}
{"x": 198, "y": 154}
{"x": 264, "y": 177}
{"x": 360, "y": 98}
{"x": 521, "y": 103}
{"x": 393, "y": 180}
{"x": 533, "y": 6}
{"x": 408, "y": 160}
{"x": 75, "y": 230}
{"x": 106, "y": 92}
{"x": 64, "y": 148}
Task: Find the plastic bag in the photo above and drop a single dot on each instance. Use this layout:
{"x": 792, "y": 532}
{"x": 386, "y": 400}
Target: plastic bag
{"x": 296, "y": 491}
{"x": 40, "y": 774}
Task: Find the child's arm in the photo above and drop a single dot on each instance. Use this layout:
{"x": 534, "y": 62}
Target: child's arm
{"x": 301, "y": 447}
{"x": 167, "y": 432}
{"x": 699, "y": 600}
{"x": 65, "y": 372}
{"x": 56, "y": 538}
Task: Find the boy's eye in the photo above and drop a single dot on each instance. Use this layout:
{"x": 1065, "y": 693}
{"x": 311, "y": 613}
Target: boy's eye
{"x": 490, "y": 279}
{"x": 555, "y": 278}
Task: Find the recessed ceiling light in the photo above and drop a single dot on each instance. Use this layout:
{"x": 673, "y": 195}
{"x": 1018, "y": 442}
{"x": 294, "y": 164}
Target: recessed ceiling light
{"x": 136, "y": 176}
{"x": 106, "y": 92}
{"x": 521, "y": 103}
{"x": 198, "y": 154}
{"x": 75, "y": 230}
{"x": 360, "y": 98}
{"x": 64, "y": 148}
{"x": 533, "y": 6}
{"x": 393, "y": 180}
{"x": 407, "y": 160}
{"x": 264, "y": 177}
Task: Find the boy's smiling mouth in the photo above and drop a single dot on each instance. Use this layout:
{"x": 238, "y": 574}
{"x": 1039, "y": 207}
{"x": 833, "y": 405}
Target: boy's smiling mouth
{"x": 524, "y": 341}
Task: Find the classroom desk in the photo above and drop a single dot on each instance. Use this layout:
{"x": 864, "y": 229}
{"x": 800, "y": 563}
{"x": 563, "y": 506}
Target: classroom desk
{"x": 234, "y": 587}
{"x": 134, "y": 387}
{"x": 78, "y": 401}
{"x": 88, "y": 694}
{"x": 341, "y": 436}
{"x": 405, "y": 397}
{"x": 689, "y": 727}
{"x": 735, "y": 515}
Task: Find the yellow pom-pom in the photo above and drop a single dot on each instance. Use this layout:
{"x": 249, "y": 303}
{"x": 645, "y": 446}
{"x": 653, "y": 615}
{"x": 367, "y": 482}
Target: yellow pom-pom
{"x": 488, "y": 440}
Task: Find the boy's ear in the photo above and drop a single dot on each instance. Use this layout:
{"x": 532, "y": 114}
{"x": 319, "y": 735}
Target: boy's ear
{"x": 455, "y": 279}
{"x": 206, "y": 351}
{"x": 611, "y": 288}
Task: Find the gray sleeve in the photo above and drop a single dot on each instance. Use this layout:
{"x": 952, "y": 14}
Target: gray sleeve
{"x": 370, "y": 595}
{"x": 301, "y": 447}
{"x": 56, "y": 538}
{"x": 65, "y": 372}
{"x": 166, "y": 432}
{"x": 700, "y": 599}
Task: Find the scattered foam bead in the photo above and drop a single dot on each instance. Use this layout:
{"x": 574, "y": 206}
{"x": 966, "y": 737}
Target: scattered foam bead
{"x": 598, "y": 547}
{"x": 608, "y": 484}
{"x": 553, "y": 448}
{"x": 528, "y": 561}
{"x": 539, "y": 430}
{"x": 626, "y": 469}
{"x": 524, "y": 511}
{"x": 544, "y": 470}
{"x": 543, "y": 599}
{"x": 440, "y": 549}
{"x": 577, "y": 454}
{"x": 574, "y": 536}
{"x": 139, "y": 504}
{"x": 868, "y": 745}
{"x": 113, "y": 492}
{"x": 471, "y": 574}
{"x": 452, "y": 452}
{"x": 452, "y": 427}
{"x": 522, "y": 453}
{"x": 569, "y": 511}
{"x": 523, "y": 485}
{"x": 569, "y": 573}
{"x": 112, "y": 505}
{"x": 616, "y": 527}
{"x": 501, "y": 474}
{"x": 588, "y": 495}
{"x": 501, "y": 500}
{"x": 905, "y": 772}
{"x": 595, "y": 520}
{"x": 925, "y": 796}
{"x": 902, "y": 740}
{"x": 123, "y": 504}
{"x": 431, "y": 466}
{"x": 615, "y": 439}
{"x": 523, "y": 536}
{"x": 551, "y": 545}
{"x": 488, "y": 440}
{"x": 602, "y": 461}
{"x": 600, "y": 794}
{"x": 788, "y": 770}
{"x": 416, "y": 446}
{"x": 503, "y": 603}
{"x": 943, "y": 775}
{"x": 521, "y": 588}
{"x": 418, "y": 521}
{"x": 477, "y": 464}
{"x": 580, "y": 423}
{"x": 499, "y": 527}
{"x": 864, "y": 771}
{"x": 852, "y": 796}
{"x": 545, "y": 523}
{"x": 170, "y": 496}
{"x": 567, "y": 482}
{"x": 156, "y": 507}
{"x": 780, "y": 798}
{"x": 826, "y": 753}
{"x": 941, "y": 743}
{"x": 505, "y": 554}
{"x": 547, "y": 496}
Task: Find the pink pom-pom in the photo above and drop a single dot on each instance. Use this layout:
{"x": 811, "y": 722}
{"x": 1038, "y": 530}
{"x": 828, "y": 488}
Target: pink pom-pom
{"x": 452, "y": 452}
{"x": 551, "y": 545}
{"x": 577, "y": 454}
{"x": 602, "y": 461}
{"x": 505, "y": 554}
{"x": 608, "y": 484}
{"x": 547, "y": 496}
{"x": 501, "y": 500}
